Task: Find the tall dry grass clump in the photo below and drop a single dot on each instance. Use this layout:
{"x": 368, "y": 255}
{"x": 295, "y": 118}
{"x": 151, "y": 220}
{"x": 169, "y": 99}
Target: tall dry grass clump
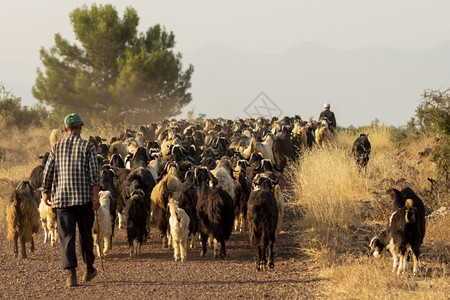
{"x": 330, "y": 190}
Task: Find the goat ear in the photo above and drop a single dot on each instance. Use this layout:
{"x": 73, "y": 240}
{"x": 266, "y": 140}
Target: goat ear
{"x": 212, "y": 178}
{"x": 164, "y": 172}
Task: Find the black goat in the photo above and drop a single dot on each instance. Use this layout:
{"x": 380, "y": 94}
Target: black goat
{"x": 37, "y": 173}
{"x": 262, "y": 218}
{"x": 137, "y": 215}
{"x": 139, "y": 159}
{"x": 243, "y": 190}
{"x": 215, "y": 212}
{"x": 361, "y": 151}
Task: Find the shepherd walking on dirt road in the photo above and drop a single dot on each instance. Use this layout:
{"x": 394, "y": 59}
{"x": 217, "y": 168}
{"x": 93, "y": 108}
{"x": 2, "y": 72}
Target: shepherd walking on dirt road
{"x": 71, "y": 186}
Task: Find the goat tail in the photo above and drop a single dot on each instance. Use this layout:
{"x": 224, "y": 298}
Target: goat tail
{"x": 173, "y": 209}
{"x": 12, "y": 218}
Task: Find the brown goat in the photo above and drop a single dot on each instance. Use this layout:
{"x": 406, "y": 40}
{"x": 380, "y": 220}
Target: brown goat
{"x": 22, "y": 217}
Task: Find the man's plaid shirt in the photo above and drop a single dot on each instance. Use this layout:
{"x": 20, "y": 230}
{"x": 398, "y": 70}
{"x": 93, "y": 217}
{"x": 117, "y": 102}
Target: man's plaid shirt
{"x": 71, "y": 171}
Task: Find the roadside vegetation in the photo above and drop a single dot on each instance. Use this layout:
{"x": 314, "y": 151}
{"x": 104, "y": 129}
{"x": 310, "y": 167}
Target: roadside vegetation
{"x": 343, "y": 208}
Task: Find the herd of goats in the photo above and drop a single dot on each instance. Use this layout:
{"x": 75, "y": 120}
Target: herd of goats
{"x": 203, "y": 179}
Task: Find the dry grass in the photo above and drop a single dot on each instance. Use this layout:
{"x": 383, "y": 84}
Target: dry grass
{"x": 342, "y": 208}
{"x": 329, "y": 188}
{"x": 368, "y": 278}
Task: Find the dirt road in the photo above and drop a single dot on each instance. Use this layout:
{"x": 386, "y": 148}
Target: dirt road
{"x": 154, "y": 275}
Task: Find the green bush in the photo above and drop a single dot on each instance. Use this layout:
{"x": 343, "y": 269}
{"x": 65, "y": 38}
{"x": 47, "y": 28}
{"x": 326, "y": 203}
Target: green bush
{"x": 441, "y": 157}
{"x": 12, "y": 113}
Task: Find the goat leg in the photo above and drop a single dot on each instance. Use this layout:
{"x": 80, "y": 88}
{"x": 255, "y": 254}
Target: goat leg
{"x": 242, "y": 226}
{"x": 222, "y": 249}
{"x": 258, "y": 259}
{"x": 263, "y": 258}
{"x": 32, "y": 245}
{"x": 16, "y": 246}
{"x": 22, "y": 248}
{"x": 271, "y": 254}
{"x": 216, "y": 249}
{"x": 416, "y": 263}
{"x": 395, "y": 262}
{"x": 204, "y": 242}
{"x": 45, "y": 233}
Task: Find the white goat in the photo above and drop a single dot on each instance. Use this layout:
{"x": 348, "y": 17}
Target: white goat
{"x": 223, "y": 173}
{"x": 179, "y": 231}
{"x": 49, "y": 223}
{"x": 265, "y": 148}
{"x": 323, "y": 133}
{"x": 101, "y": 231}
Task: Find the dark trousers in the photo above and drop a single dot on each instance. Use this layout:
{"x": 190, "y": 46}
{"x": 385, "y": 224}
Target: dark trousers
{"x": 68, "y": 218}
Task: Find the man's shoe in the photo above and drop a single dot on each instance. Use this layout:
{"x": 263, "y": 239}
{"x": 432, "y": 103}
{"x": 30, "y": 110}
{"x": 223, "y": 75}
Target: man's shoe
{"x": 72, "y": 279}
{"x": 89, "y": 275}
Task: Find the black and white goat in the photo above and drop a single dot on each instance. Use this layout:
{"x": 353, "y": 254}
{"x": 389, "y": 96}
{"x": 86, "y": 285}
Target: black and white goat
{"x": 262, "y": 218}
{"x": 215, "y": 212}
{"x": 187, "y": 199}
{"x": 405, "y": 230}
{"x": 22, "y": 217}
{"x": 107, "y": 177}
{"x": 116, "y": 161}
{"x": 223, "y": 172}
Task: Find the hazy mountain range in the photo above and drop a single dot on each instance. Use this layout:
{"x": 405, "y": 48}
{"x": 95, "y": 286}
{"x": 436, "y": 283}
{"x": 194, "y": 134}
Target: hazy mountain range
{"x": 361, "y": 85}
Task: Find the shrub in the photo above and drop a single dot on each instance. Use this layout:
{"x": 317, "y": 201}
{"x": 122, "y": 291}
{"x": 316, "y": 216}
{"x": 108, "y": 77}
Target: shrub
{"x": 12, "y": 113}
{"x": 441, "y": 157}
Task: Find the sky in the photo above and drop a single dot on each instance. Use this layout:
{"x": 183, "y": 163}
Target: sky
{"x": 252, "y": 26}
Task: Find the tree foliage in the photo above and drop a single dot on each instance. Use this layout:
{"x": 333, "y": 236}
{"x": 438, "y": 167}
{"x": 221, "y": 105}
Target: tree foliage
{"x": 113, "y": 71}
{"x": 433, "y": 116}
{"x": 12, "y": 113}
{"x": 433, "y": 113}
{"x": 441, "y": 157}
